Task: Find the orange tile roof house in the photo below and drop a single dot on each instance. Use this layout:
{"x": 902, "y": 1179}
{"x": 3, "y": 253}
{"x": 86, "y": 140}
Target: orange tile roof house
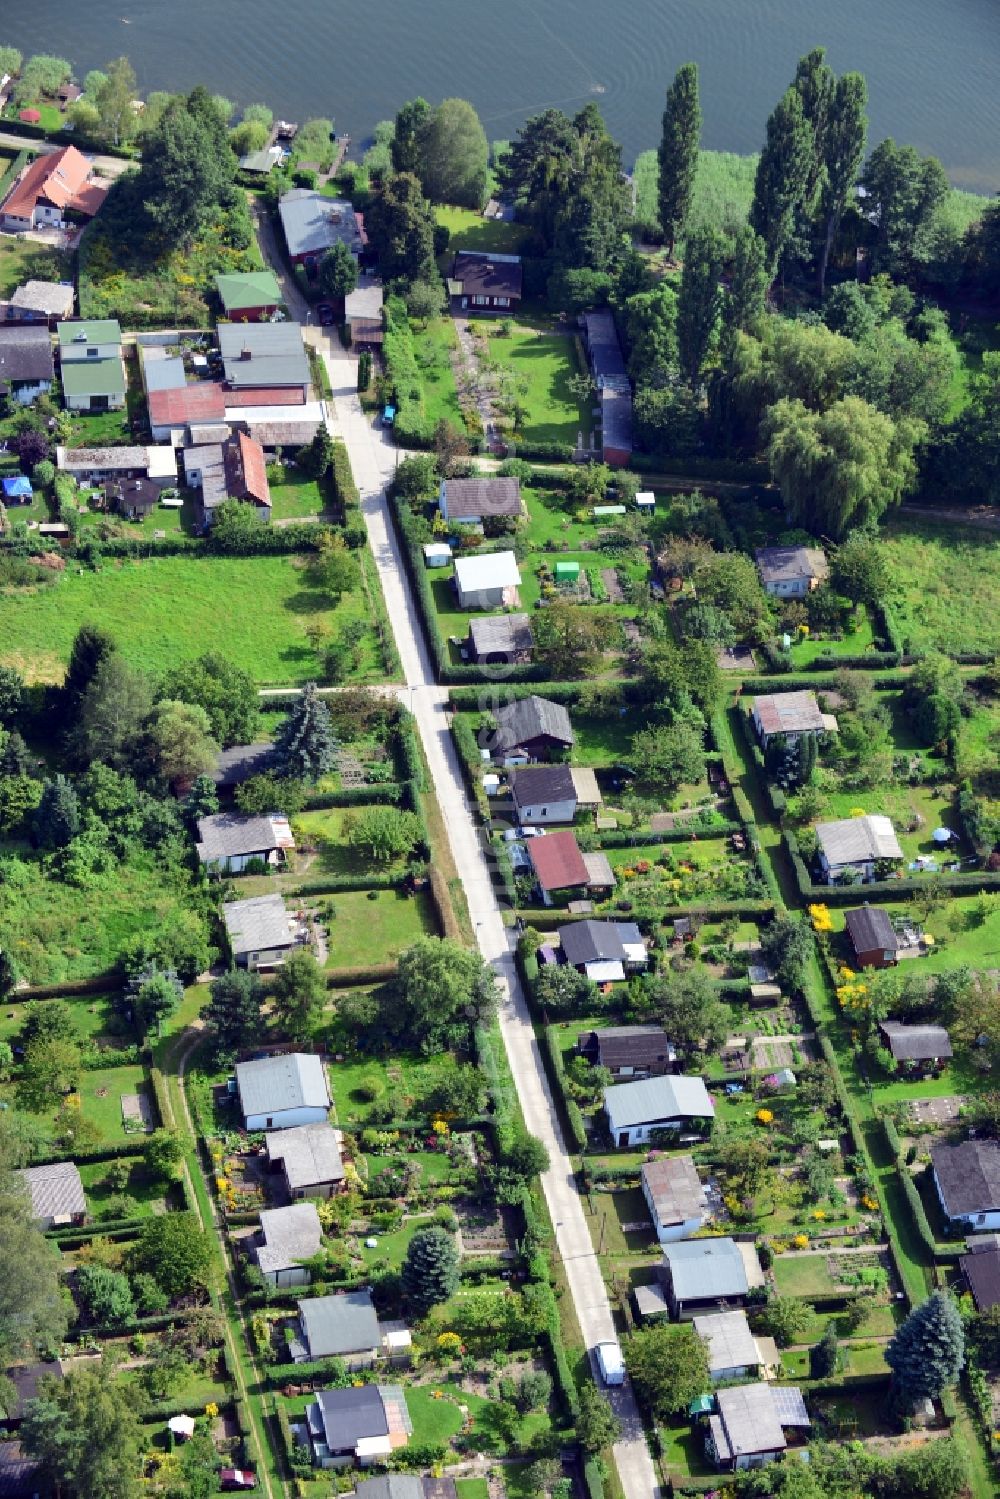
{"x": 48, "y": 189}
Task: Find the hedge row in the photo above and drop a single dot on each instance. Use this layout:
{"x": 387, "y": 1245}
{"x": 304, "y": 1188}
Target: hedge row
{"x": 633, "y": 694}
{"x": 500, "y": 1091}
{"x": 408, "y": 740}
{"x": 348, "y": 978}
{"x": 548, "y": 919}
{"x": 386, "y": 794}
{"x": 593, "y": 1478}
{"x": 107, "y": 1228}
{"x": 95, "y": 1153}
{"x": 97, "y": 984}
{"x": 692, "y": 828}
{"x": 941, "y": 1254}
{"x": 573, "y": 1119}
{"x": 330, "y": 884}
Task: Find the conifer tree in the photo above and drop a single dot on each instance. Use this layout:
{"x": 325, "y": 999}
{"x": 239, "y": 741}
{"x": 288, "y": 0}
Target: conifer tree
{"x": 783, "y": 174}
{"x": 430, "y": 1270}
{"x": 305, "y": 743}
{"x": 678, "y": 153}
{"x": 927, "y": 1353}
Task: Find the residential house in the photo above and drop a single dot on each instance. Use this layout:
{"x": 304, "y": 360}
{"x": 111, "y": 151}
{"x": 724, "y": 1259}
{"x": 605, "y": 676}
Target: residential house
{"x": 406, "y": 1486}
{"x": 249, "y": 296}
{"x": 191, "y": 403}
{"x": 482, "y": 282}
{"x": 731, "y": 1346}
{"x": 41, "y": 302}
{"x": 26, "y": 367}
{"x": 238, "y": 764}
{"x": 981, "y": 1268}
{"x": 675, "y": 1196}
{"x": 17, "y": 490}
{"x": 27, "y": 1382}
{"x": 614, "y": 392}
{"x": 749, "y": 1427}
{"x": 261, "y": 932}
{"x": 49, "y": 190}
{"x": 229, "y": 841}
{"x": 133, "y": 498}
{"x": 702, "y": 1275}
{"x": 283, "y": 1092}
{"x": 264, "y": 364}
{"x": 543, "y": 793}
{"x": 917, "y": 1047}
{"x": 487, "y": 582}
{"x": 313, "y": 224}
{"x": 21, "y": 1476}
{"x": 530, "y": 728}
{"x": 967, "y": 1178}
{"x": 287, "y": 1236}
{"x": 854, "y": 846}
{"x": 246, "y": 473}
{"x": 344, "y": 1326}
{"x": 791, "y": 572}
{"x": 308, "y": 1156}
{"x": 557, "y": 864}
{"x": 498, "y": 639}
{"x": 629, "y": 1052}
{"x": 637, "y": 1110}
{"x": 91, "y": 365}
{"x": 363, "y": 1424}
{"x": 279, "y": 426}
{"x": 56, "y": 1192}
{"x": 879, "y": 941}
{"x": 96, "y": 466}
{"x": 790, "y": 714}
{"x": 363, "y": 315}
{"x": 470, "y": 502}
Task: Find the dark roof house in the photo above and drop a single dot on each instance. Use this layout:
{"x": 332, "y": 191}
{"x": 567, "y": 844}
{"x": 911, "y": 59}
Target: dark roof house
{"x": 791, "y": 571}
{"x": 472, "y": 500}
{"x": 21, "y": 1476}
{"x": 481, "y": 281}
{"x": 557, "y": 862}
{"x": 981, "y": 1268}
{"x": 872, "y": 935}
{"x": 543, "y": 791}
{"x": 916, "y": 1043}
{"x": 534, "y": 725}
{"x": 238, "y": 764}
{"x": 25, "y": 357}
{"x": 27, "y": 1379}
{"x": 967, "y": 1176}
{"x": 313, "y": 224}
{"x": 626, "y": 1050}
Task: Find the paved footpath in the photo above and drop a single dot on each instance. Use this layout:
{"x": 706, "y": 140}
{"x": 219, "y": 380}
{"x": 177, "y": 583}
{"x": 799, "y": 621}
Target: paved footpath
{"x": 373, "y": 461}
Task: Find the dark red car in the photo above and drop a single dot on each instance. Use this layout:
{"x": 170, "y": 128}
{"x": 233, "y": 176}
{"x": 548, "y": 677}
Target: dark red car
{"x": 231, "y": 1479}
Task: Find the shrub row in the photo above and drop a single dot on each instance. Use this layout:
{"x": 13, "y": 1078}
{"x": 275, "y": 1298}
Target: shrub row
{"x": 348, "y": 978}
{"x": 408, "y": 740}
{"x": 107, "y": 1228}
{"x": 633, "y": 694}
{"x": 330, "y": 884}
{"x": 95, "y": 1153}
{"x": 730, "y": 470}
{"x": 572, "y": 1117}
{"x": 705, "y": 832}
{"x": 386, "y": 793}
{"x": 938, "y": 1252}
{"x": 500, "y": 1091}
{"x": 548, "y": 919}
{"x": 109, "y": 979}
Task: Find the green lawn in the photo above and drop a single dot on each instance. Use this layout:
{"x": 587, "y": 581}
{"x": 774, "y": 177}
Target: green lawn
{"x": 435, "y": 1414}
{"x": 25, "y": 260}
{"x": 253, "y": 609}
{"x": 433, "y": 343}
{"x": 855, "y": 642}
{"x": 933, "y": 805}
{"x": 101, "y": 1095}
{"x": 401, "y": 1078}
{"x": 470, "y": 231}
{"x": 472, "y": 1488}
{"x": 544, "y": 361}
{"x": 945, "y": 584}
{"x": 963, "y": 937}
{"x": 684, "y": 1453}
{"x": 366, "y": 931}
{"x": 802, "y": 1275}
{"x": 145, "y": 1195}
{"x": 297, "y": 496}
{"x": 326, "y": 832}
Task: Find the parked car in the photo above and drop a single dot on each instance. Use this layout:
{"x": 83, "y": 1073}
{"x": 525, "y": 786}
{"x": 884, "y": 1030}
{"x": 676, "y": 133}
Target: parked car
{"x": 325, "y": 313}
{"x": 611, "y": 1363}
{"x": 236, "y": 1479}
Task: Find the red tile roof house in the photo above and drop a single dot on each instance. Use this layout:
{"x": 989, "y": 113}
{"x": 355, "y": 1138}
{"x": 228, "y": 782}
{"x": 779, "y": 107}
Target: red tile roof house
{"x": 559, "y": 866}
{"x": 194, "y": 403}
{"x": 50, "y": 189}
{"x": 246, "y": 472}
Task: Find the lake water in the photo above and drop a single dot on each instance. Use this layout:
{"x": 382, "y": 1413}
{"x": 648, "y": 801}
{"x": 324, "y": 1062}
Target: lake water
{"x": 933, "y": 66}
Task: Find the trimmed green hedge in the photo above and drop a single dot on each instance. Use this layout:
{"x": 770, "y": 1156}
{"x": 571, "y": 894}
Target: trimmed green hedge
{"x": 573, "y": 1118}
{"x": 387, "y": 793}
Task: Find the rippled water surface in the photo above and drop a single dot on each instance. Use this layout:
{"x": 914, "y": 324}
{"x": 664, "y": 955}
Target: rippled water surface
{"x": 933, "y": 66}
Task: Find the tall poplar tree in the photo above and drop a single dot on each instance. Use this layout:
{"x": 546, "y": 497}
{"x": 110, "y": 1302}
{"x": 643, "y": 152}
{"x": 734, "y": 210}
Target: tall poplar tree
{"x": 748, "y": 284}
{"x": 699, "y": 302}
{"x": 678, "y": 153}
{"x": 783, "y": 173}
{"x": 843, "y": 152}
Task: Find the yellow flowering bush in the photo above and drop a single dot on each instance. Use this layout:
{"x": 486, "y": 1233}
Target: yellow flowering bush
{"x": 821, "y": 919}
{"x": 764, "y": 1116}
{"x": 440, "y": 1126}
{"x": 449, "y": 1342}
{"x": 211, "y": 1410}
{"x": 857, "y": 812}
{"x": 819, "y": 1214}
{"x": 801, "y": 1241}
{"x": 871, "y": 1203}
{"x": 221, "y": 1185}
{"x": 853, "y": 996}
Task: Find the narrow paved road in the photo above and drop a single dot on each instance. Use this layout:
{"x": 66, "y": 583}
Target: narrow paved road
{"x": 373, "y": 461}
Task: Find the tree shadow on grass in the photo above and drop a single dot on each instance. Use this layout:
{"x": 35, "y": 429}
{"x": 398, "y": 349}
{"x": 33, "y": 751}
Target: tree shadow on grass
{"x": 307, "y": 601}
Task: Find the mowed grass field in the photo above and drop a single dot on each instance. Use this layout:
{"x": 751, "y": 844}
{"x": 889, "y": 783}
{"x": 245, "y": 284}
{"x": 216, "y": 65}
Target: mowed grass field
{"x": 545, "y": 363}
{"x": 945, "y": 586}
{"x": 255, "y": 610}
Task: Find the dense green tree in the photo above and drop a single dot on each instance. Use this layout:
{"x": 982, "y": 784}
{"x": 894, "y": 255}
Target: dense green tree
{"x": 187, "y": 169}
{"x": 816, "y": 84}
{"x": 843, "y": 151}
{"x": 730, "y": 582}
{"x": 203, "y": 798}
{"x": 840, "y": 468}
{"x": 689, "y": 1006}
{"x": 113, "y": 714}
{"x": 441, "y": 992}
{"x": 454, "y": 155}
{"x": 163, "y": 1154}
{"x": 304, "y": 745}
{"x": 699, "y": 302}
{"x": 181, "y": 740}
{"x": 41, "y": 78}
{"x": 233, "y": 1015}
{"x": 113, "y": 101}
{"x": 33, "y": 1313}
{"x": 745, "y": 1161}
{"x": 50, "y": 1069}
{"x": 85, "y": 1431}
{"x": 824, "y": 1356}
{"x": 927, "y": 1353}
{"x": 746, "y": 300}
{"x": 10, "y": 61}
{"x": 237, "y": 528}
{"x": 677, "y": 158}
{"x": 299, "y": 994}
{"x": 563, "y": 990}
{"x": 783, "y": 175}
{"x": 14, "y": 757}
{"x": 597, "y": 1426}
{"x": 383, "y": 834}
{"x": 400, "y": 227}
{"x": 91, "y": 645}
{"x": 176, "y": 1252}
{"x": 105, "y": 1294}
{"x": 153, "y": 997}
{"x": 338, "y": 272}
{"x": 968, "y": 463}
{"x": 334, "y": 566}
{"x": 570, "y": 639}
{"x": 904, "y": 190}
{"x": 665, "y": 756}
{"x": 668, "y": 1365}
{"x": 11, "y": 694}
{"x": 566, "y": 176}
{"x": 408, "y": 135}
{"x": 317, "y": 456}
{"x": 859, "y": 569}
{"x": 430, "y": 1269}
{"x": 788, "y": 947}
{"x": 651, "y": 333}
{"x": 57, "y": 819}
{"x": 525, "y": 1156}
{"x": 783, "y": 1319}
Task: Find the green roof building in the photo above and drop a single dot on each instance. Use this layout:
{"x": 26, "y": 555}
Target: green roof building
{"x": 91, "y": 366}
{"x": 249, "y": 296}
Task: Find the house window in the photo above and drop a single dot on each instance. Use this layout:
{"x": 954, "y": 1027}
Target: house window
{"x": 480, "y": 301}
{"x": 268, "y": 1122}
{"x": 91, "y": 353}
{"x": 542, "y": 811}
{"x": 501, "y": 301}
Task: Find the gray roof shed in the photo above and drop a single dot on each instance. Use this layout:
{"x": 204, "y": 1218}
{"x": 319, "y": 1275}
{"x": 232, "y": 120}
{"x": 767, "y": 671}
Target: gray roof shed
{"x": 273, "y": 1085}
{"x": 309, "y": 1154}
{"x": 344, "y": 1323}
{"x": 265, "y": 354}
{"x": 55, "y": 1189}
{"x": 706, "y": 1269}
{"x": 258, "y": 924}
